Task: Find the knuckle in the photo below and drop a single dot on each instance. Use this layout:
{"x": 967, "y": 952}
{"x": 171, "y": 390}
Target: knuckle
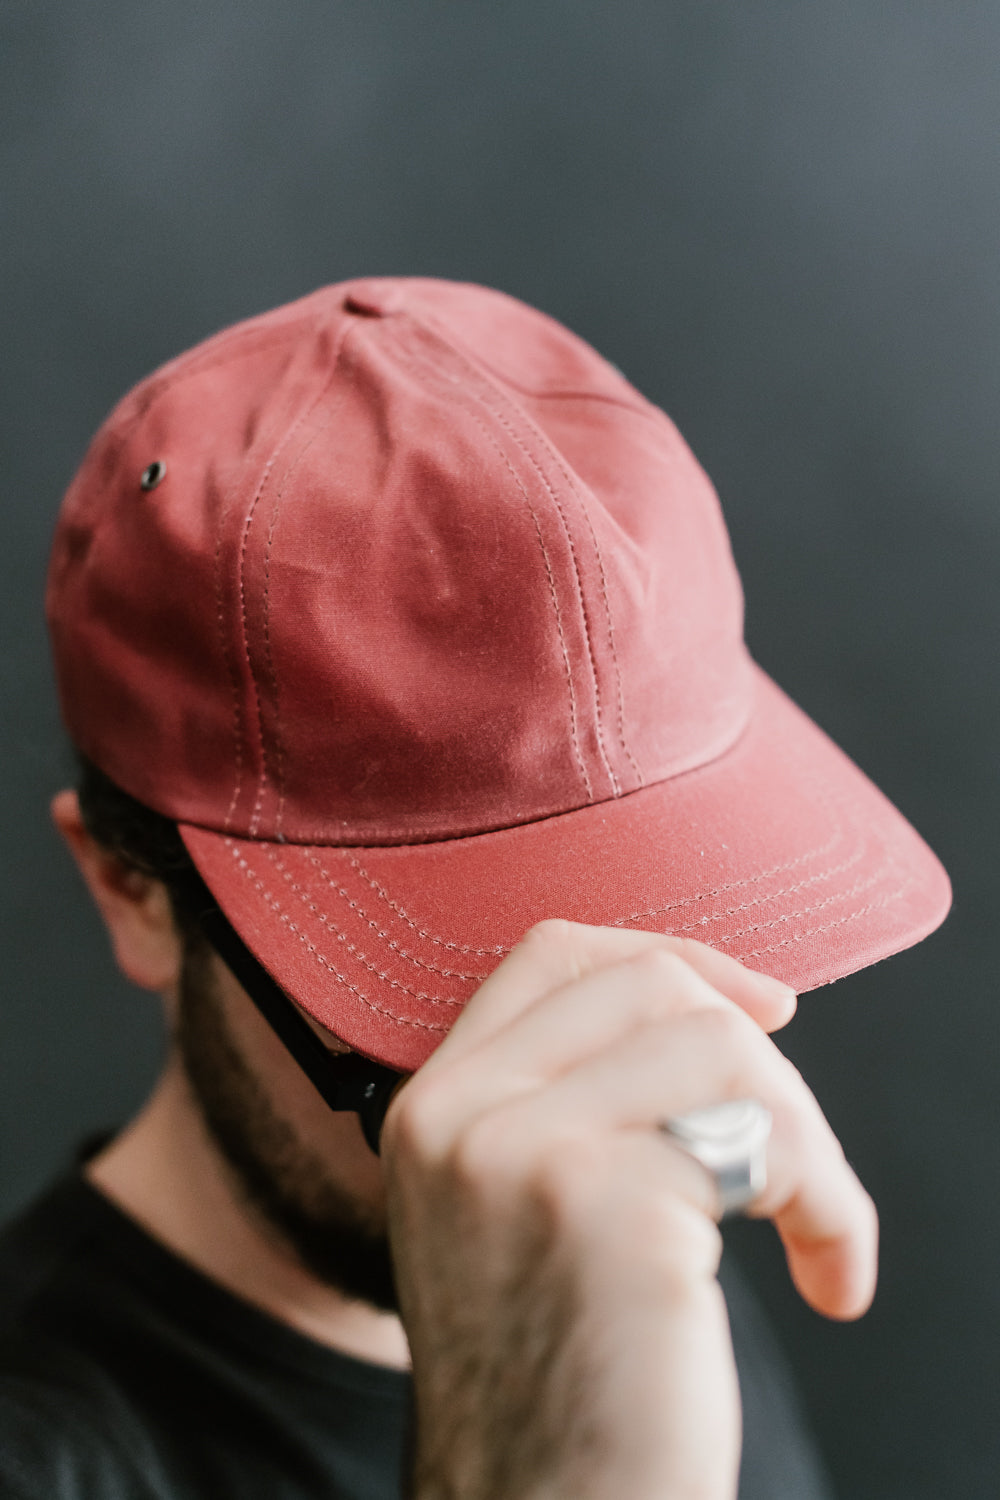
{"x": 480, "y": 1154}
{"x": 555, "y": 1179}
{"x": 668, "y": 1233}
{"x": 801, "y": 1102}
{"x": 686, "y": 1235}
{"x": 727, "y": 1030}
{"x": 792, "y": 1078}
{"x": 690, "y": 949}
{"x": 748, "y": 1059}
{"x": 793, "y": 1129}
{"x": 551, "y": 932}
{"x": 413, "y": 1121}
{"x": 564, "y": 1168}
{"x": 663, "y": 967}
{"x": 572, "y": 1189}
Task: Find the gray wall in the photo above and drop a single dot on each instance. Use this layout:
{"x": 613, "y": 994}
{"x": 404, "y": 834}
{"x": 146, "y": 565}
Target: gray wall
{"x": 781, "y": 220}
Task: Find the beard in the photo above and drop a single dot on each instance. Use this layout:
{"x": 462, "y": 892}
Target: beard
{"x": 333, "y": 1236}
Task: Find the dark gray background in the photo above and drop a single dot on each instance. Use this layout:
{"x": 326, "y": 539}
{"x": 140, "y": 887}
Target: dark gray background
{"x": 781, "y": 220}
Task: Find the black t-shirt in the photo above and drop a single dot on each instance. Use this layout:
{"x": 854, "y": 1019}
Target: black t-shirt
{"x": 125, "y": 1374}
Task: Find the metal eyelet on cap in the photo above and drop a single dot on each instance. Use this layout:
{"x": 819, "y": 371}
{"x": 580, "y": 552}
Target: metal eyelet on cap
{"x": 153, "y": 474}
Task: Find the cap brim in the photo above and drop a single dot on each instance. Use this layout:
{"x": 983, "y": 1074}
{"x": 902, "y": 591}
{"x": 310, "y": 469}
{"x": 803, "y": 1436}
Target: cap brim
{"x": 780, "y": 852}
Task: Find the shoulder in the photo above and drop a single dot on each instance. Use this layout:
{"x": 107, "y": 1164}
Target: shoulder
{"x": 57, "y": 1433}
{"x": 53, "y": 1448}
{"x": 36, "y": 1246}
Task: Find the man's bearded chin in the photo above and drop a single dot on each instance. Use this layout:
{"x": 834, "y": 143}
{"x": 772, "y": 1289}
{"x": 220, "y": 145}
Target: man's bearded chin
{"x": 276, "y": 1173}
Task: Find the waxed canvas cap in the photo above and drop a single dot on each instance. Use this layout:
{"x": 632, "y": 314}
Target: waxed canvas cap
{"x": 424, "y": 625}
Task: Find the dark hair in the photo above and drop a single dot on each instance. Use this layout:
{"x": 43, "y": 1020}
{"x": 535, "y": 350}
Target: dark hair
{"x": 144, "y": 840}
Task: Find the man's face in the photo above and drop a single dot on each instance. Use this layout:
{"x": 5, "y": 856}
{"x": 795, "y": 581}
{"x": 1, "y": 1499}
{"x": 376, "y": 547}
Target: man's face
{"x": 304, "y": 1168}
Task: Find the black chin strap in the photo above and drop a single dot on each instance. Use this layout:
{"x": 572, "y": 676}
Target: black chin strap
{"x": 344, "y": 1080}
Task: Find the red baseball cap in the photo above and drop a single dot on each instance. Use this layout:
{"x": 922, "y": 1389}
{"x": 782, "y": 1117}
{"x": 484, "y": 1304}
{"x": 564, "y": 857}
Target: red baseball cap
{"x": 423, "y": 624}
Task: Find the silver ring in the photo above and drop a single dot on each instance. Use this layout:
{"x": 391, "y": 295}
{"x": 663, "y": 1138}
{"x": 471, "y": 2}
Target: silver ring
{"x": 730, "y": 1140}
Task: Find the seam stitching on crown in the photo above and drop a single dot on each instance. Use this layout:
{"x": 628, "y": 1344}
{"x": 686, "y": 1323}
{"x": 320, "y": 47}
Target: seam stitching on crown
{"x": 482, "y": 377}
{"x": 496, "y": 381}
{"x": 435, "y": 374}
{"x": 248, "y": 522}
{"x": 272, "y": 675}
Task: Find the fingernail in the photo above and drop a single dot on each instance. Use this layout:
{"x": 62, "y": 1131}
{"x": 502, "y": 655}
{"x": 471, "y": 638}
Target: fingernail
{"x": 776, "y": 987}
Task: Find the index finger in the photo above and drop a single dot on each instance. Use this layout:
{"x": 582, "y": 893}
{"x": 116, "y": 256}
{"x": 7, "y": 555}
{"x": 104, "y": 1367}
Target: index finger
{"x": 554, "y": 953}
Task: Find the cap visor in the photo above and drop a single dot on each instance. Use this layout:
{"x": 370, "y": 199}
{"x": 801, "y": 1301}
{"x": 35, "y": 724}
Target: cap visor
{"x": 780, "y": 852}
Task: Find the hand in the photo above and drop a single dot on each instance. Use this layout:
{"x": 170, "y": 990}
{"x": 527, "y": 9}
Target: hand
{"x": 556, "y": 1255}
